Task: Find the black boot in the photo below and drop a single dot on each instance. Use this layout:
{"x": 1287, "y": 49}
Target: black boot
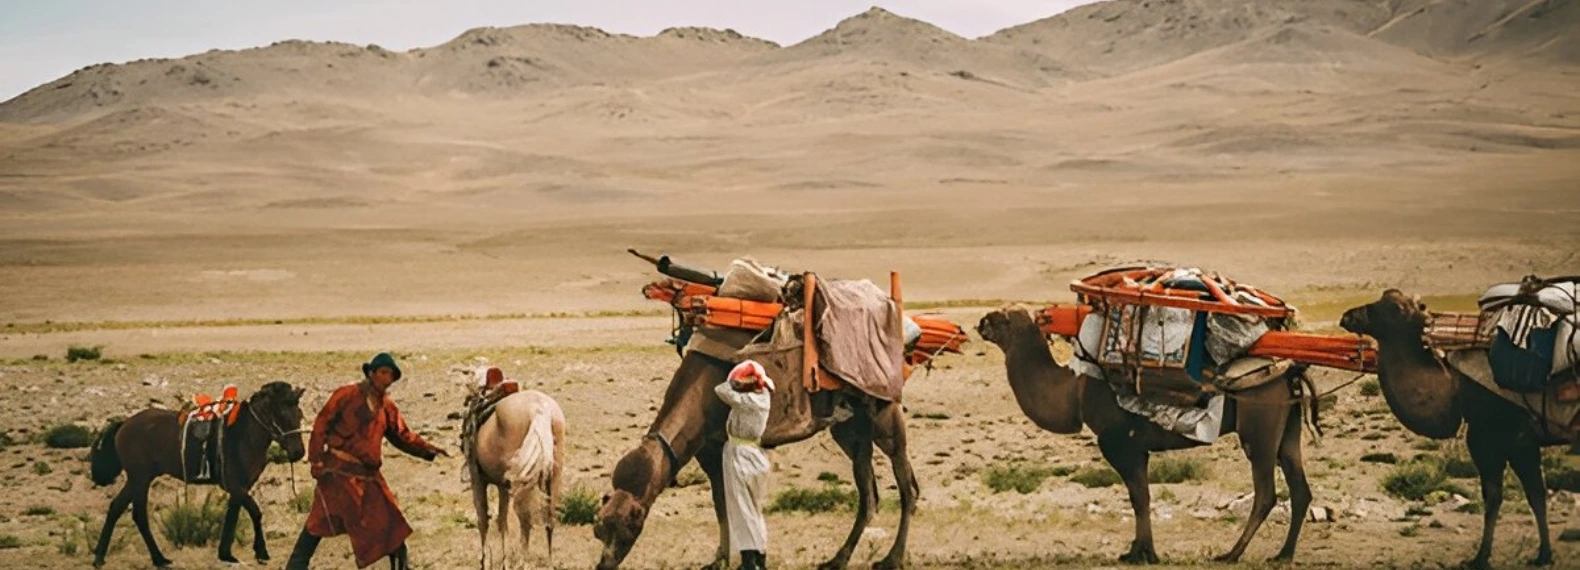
{"x": 398, "y": 559}
{"x": 751, "y": 560}
{"x": 302, "y": 553}
{"x": 762, "y": 560}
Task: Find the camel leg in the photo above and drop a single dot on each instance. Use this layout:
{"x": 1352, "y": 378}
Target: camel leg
{"x": 889, "y": 429}
{"x": 1128, "y": 456}
{"x": 1487, "y": 451}
{"x": 260, "y": 547}
{"x": 711, "y": 459}
{"x": 227, "y": 531}
{"x": 1261, "y": 430}
{"x": 480, "y": 504}
{"x": 1526, "y": 460}
{"x": 854, "y": 437}
{"x": 140, "y": 516}
{"x": 1294, "y": 467}
{"x": 118, "y": 506}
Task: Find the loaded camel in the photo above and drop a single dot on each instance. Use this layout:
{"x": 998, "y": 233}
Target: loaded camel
{"x": 690, "y": 425}
{"x": 1056, "y": 399}
{"x": 1431, "y": 399}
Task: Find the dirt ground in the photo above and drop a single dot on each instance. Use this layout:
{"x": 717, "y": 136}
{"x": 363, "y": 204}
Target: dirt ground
{"x": 286, "y": 211}
{"x": 963, "y": 421}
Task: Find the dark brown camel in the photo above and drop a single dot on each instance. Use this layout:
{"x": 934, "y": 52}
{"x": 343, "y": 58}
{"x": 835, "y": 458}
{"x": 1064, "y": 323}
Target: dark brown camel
{"x": 1431, "y": 399}
{"x": 148, "y": 445}
{"x": 690, "y": 424}
{"x": 1268, "y": 419}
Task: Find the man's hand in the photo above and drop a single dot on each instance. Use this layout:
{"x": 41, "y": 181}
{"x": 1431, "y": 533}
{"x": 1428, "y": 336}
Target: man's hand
{"x": 318, "y": 470}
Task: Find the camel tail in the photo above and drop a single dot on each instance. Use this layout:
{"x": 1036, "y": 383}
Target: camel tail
{"x": 1315, "y": 405}
{"x": 532, "y": 466}
{"x": 105, "y": 461}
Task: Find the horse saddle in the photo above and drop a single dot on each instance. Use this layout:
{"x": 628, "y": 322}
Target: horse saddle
{"x": 202, "y": 433}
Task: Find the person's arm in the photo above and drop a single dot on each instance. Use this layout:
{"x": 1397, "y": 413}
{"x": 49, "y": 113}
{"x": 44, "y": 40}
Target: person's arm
{"x": 403, "y": 438}
{"x": 317, "y": 446}
{"x": 727, "y": 393}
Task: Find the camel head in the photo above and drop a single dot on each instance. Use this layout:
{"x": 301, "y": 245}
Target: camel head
{"x": 1000, "y": 327}
{"x": 620, "y": 521}
{"x": 1394, "y": 316}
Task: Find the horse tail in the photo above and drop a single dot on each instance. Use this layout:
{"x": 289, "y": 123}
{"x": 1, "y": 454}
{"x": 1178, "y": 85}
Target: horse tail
{"x": 531, "y": 467}
{"x": 105, "y": 460}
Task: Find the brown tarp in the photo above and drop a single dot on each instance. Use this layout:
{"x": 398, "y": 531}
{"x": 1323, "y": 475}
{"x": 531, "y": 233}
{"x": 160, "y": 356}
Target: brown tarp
{"x": 859, "y": 338}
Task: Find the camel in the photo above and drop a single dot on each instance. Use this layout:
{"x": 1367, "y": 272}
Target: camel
{"x": 1431, "y": 399}
{"x": 520, "y": 450}
{"x": 1056, "y": 399}
{"x": 690, "y": 425}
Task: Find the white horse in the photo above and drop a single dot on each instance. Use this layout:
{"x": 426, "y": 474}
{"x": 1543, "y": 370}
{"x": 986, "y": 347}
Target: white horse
{"x": 519, "y": 449}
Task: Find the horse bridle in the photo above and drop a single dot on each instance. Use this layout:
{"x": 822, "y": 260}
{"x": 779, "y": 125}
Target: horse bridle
{"x": 275, "y": 433}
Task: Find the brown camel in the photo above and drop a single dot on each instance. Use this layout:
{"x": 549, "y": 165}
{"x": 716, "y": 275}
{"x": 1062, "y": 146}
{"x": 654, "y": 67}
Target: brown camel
{"x": 1267, "y": 417}
{"x": 1431, "y": 399}
{"x": 690, "y": 424}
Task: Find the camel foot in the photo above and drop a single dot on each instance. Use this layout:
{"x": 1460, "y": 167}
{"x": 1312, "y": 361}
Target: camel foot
{"x": 887, "y": 564}
{"x": 1139, "y": 555}
{"x": 162, "y": 563}
{"x": 1477, "y": 563}
{"x": 835, "y": 564}
{"x": 98, "y": 562}
{"x": 1227, "y": 558}
{"x": 1543, "y": 558}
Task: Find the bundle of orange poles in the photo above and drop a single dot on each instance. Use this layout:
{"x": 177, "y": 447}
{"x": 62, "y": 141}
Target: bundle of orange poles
{"x": 1343, "y": 351}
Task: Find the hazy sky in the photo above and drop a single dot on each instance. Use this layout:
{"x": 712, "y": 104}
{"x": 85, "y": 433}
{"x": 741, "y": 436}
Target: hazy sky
{"x": 41, "y": 40}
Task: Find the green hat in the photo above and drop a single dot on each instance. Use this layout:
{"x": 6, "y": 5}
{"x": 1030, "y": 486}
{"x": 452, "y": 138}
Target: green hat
{"x": 379, "y": 360}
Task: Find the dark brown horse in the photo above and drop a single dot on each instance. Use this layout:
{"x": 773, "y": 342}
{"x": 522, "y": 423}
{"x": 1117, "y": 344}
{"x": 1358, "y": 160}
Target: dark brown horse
{"x": 148, "y": 445}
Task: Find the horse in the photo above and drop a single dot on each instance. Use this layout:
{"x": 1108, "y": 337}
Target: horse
{"x": 149, "y": 444}
{"x": 520, "y": 450}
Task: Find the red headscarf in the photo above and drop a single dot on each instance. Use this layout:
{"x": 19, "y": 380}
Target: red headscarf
{"x": 749, "y": 376}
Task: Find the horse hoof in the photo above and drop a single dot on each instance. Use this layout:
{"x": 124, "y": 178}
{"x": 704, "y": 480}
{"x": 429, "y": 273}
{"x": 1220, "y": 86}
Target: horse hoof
{"x": 1282, "y": 559}
{"x": 98, "y": 563}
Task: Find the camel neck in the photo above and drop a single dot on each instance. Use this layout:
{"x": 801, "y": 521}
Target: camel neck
{"x": 1046, "y": 392}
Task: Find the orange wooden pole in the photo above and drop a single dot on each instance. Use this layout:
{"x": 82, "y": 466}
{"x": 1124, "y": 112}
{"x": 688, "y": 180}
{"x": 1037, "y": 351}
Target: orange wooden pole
{"x": 808, "y": 335}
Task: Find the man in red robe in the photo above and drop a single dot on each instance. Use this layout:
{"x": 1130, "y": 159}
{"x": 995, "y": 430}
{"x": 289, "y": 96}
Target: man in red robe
{"x": 352, "y": 497}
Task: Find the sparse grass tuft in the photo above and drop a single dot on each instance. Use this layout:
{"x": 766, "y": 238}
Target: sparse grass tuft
{"x": 68, "y": 436}
{"x": 41, "y": 468}
{"x": 812, "y": 500}
{"x": 1371, "y": 388}
{"x": 1094, "y": 477}
{"x": 192, "y": 523}
{"x": 1017, "y": 476}
{"x": 9, "y": 541}
{"x": 302, "y": 502}
{"x": 1410, "y": 531}
{"x": 1177, "y": 470}
{"x": 1427, "y": 445}
{"x": 76, "y": 353}
{"x": 579, "y": 507}
{"x": 277, "y": 455}
{"x": 39, "y": 511}
{"x": 1387, "y": 458}
{"x": 1459, "y": 467}
{"x": 1415, "y": 480}
{"x": 827, "y": 477}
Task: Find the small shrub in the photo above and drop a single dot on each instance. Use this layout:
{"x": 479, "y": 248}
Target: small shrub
{"x": 39, "y": 511}
{"x": 1177, "y": 470}
{"x": 8, "y": 541}
{"x": 1418, "y": 511}
{"x": 41, "y": 468}
{"x": 1096, "y": 477}
{"x": 1470, "y": 508}
{"x": 68, "y": 436}
{"x": 931, "y": 416}
{"x": 1414, "y": 481}
{"x": 6, "y": 441}
{"x": 579, "y": 507}
{"x": 76, "y": 353}
{"x": 1561, "y": 476}
{"x": 813, "y": 500}
{"x": 1387, "y": 458}
{"x": 1459, "y": 467}
{"x": 277, "y": 455}
{"x": 1371, "y": 388}
{"x": 690, "y": 475}
{"x": 1167, "y": 495}
{"x": 827, "y": 477}
{"x": 1410, "y": 531}
{"x": 302, "y": 502}
{"x": 1020, "y": 477}
{"x": 193, "y": 523}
